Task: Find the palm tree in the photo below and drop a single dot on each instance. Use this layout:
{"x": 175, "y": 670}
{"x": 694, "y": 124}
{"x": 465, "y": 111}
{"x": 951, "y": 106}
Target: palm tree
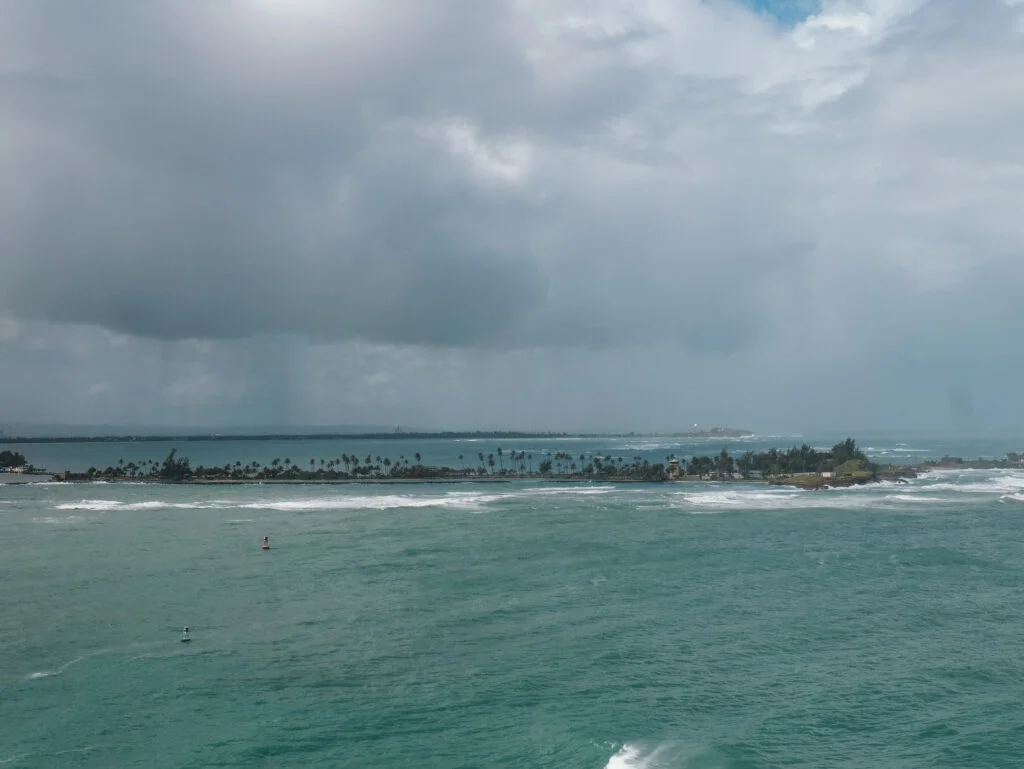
{"x": 417, "y": 457}
{"x": 462, "y": 462}
{"x": 502, "y": 464}
{"x": 490, "y": 462}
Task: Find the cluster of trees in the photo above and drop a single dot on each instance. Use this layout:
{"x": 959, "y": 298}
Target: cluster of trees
{"x": 12, "y": 459}
{"x": 775, "y": 462}
{"x": 561, "y": 464}
{"x": 510, "y": 464}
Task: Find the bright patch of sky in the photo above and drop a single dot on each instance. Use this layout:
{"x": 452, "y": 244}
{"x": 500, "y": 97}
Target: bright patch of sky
{"x": 786, "y": 11}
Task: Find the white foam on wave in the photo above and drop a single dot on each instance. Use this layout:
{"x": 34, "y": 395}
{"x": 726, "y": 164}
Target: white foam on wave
{"x": 973, "y": 481}
{"x": 647, "y": 446}
{"x": 43, "y": 674}
{"x": 454, "y": 499}
{"x": 634, "y": 757}
{"x": 939, "y": 487}
{"x": 897, "y": 449}
{"x": 384, "y": 502}
{"x": 110, "y": 505}
{"x": 721, "y": 500}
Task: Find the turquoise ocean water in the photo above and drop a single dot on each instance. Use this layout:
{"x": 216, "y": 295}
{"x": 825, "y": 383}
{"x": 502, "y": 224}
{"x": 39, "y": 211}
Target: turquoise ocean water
{"x": 514, "y": 625}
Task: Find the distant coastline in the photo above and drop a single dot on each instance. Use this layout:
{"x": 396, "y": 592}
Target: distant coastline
{"x": 715, "y": 432}
{"x": 805, "y": 467}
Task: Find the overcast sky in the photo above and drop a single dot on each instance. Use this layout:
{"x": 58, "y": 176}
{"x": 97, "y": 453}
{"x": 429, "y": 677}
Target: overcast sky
{"x": 531, "y": 214}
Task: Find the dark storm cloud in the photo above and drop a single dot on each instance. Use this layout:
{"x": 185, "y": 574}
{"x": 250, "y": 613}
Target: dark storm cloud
{"x": 241, "y": 169}
{"x": 160, "y": 189}
{"x": 468, "y": 208}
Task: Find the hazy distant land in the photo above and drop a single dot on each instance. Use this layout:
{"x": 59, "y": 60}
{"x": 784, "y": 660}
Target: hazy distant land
{"x": 802, "y": 466}
{"x": 714, "y": 432}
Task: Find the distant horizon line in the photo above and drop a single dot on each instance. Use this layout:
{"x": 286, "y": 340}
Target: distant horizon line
{"x": 66, "y": 433}
{"x": 725, "y": 433}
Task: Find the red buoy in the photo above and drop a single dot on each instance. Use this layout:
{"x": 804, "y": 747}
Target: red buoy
{"x": 266, "y": 543}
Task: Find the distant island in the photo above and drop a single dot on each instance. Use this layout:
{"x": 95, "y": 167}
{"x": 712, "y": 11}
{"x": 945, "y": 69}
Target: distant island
{"x": 799, "y": 466}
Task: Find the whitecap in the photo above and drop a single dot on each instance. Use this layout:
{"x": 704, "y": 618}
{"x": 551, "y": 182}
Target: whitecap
{"x": 383, "y": 502}
{"x": 634, "y": 757}
{"x": 110, "y": 505}
{"x": 90, "y": 504}
{"x": 782, "y": 498}
{"x": 43, "y": 674}
{"x": 454, "y": 499}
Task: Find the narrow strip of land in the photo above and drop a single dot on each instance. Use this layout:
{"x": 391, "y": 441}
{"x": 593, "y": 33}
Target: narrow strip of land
{"x": 800, "y": 466}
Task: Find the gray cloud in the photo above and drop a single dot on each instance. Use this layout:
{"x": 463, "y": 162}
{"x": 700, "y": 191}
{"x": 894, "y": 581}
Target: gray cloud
{"x": 520, "y": 192}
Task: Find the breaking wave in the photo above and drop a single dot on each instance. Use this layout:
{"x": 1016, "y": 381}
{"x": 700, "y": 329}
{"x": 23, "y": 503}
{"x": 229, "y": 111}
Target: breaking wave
{"x": 631, "y": 756}
{"x": 455, "y": 500}
{"x": 934, "y": 488}
{"x": 108, "y": 505}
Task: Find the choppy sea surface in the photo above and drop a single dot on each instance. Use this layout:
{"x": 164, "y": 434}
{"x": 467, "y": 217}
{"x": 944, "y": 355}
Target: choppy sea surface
{"x": 524, "y": 624}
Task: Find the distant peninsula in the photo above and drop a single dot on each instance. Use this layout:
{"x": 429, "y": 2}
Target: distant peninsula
{"x": 225, "y": 437}
{"x": 805, "y": 467}
{"x": 715, "y": 432}
{"x": 476, "y": 435}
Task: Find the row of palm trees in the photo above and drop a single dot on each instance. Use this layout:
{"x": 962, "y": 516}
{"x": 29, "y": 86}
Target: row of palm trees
{"x": 350, "y": 466}
{"x": 498, "y": 463}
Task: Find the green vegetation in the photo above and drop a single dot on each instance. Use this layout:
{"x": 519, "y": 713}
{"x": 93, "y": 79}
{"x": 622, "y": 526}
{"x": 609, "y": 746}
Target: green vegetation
{"x": 801, "y": 466}
{"x": 499, "y": 464}
{"x": 1011, "y": 460}
{"x": 775, "y": 463}
{"x": 12, "y": 459}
